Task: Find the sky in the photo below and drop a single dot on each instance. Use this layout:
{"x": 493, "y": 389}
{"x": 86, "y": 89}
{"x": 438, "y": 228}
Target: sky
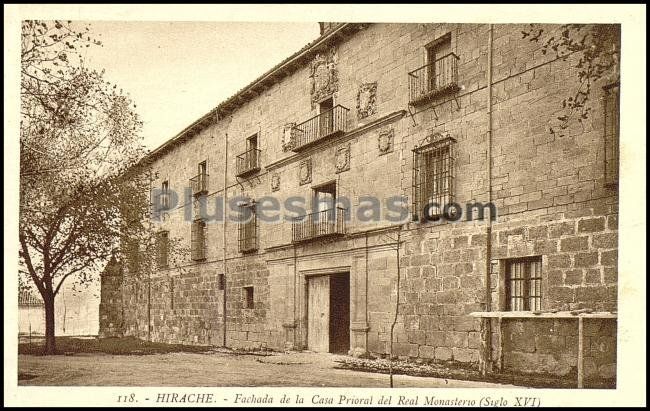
{"x": 175, "y": 72}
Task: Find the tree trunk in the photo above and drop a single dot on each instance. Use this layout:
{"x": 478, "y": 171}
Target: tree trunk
{"x": 50, "y": 343}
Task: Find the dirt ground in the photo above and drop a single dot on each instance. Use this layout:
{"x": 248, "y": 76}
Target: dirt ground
{"x": 210, "y": 369}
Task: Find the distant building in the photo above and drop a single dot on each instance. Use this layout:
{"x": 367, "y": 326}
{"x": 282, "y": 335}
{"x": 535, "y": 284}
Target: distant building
{"x": 31, "y": 314}
{"x": 75, "y": 313}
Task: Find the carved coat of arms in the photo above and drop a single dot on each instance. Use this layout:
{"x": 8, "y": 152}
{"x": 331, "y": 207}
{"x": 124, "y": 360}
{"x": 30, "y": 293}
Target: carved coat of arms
{"x": 342, "y": 158}
{"x": 324, "y": 76}
{"x": 288, "y": 137}
{"x": 385, "y": 141}
{"x": 366, "y": 97}
{"x": 304, "y": 172}
{"x": 275, "y": 182}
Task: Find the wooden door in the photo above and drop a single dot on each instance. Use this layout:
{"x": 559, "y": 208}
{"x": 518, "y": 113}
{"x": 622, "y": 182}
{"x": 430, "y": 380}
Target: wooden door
{"x": 318, "y": 314}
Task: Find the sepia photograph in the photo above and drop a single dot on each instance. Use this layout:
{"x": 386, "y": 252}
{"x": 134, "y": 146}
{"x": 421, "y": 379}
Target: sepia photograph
{"x": 253, "y": 202}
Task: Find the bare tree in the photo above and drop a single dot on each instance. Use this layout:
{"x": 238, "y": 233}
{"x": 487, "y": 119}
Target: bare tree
{"x": 78, "y": 136}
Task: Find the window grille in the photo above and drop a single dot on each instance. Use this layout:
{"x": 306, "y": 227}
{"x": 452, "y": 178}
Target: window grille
{"x": 524, "y": 284}
{"x": 433, "y": 179}
{"x": 248, "y": 231}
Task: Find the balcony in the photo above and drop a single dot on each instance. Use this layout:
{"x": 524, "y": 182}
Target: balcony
{"x": 199, "y": 184}
{"x": 248, "y": 236}
{"x": 433, "y": 80}
{"x": 325, "y": 223}
{"x": 329, "y": 123}
{"x": 248, "y": 162}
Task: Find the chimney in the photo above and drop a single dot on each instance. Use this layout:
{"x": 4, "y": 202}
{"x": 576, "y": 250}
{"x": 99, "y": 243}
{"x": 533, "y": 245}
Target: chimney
{"x": 327, "y": 26}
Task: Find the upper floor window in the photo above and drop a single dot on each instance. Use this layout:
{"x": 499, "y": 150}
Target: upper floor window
{"x": 331, "y": 120}
{"x": 612, "y": 124}
{"x": 439, "y": 73}
{"x": 249, "y": 161}
{"x": 324, "y": 197}
{"x": 326, "y": 119}
{"x": 200, "y": 181}
{"x": 433, "y": 179}
{"x": 327, "y": 217}
{"x": 248, "y": 229}
{"x": 251, "y": 142}
{"x": 164, "y": 195}
{"x": 523, "y": 284}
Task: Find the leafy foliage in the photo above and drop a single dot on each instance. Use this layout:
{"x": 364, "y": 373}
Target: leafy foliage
{"x": 597, "y": 48}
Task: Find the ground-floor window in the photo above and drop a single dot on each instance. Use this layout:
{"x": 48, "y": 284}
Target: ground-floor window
{"x": 524, "y": 284}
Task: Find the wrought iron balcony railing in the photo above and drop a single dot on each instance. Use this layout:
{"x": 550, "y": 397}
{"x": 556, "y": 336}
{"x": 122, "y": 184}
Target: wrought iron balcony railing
{"x": 325, "y": 223}
{"x": 248, "y": 162}
{"x": 434, "y": 79}
{"x": 326, "y": 124}
{"x": 199, "y": 184}
{"x": 248, "y": 239}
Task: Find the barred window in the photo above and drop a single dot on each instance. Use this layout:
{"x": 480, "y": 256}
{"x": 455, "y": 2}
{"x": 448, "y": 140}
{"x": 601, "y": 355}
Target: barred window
{"x": 248, "y": 229}
{"x": 611, "y": 132}
{"x": 162, "y": 249}
{"x": 198, "y": 240}
{"x": 524, "y": 284}
{"x": 433, "y": 179}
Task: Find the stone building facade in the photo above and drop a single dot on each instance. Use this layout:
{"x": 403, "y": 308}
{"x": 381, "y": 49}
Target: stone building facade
{"x": 456, "y": 112}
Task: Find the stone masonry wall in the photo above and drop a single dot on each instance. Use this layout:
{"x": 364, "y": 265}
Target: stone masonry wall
{"x": 549, "y": 191}
{"x": 549, "y": 347}
{"x": 111, "y": 321}
{"x": 443, "y": 280}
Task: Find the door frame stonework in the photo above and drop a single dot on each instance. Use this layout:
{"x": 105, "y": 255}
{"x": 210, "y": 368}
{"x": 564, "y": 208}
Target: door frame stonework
{"x": 303, "y": 302}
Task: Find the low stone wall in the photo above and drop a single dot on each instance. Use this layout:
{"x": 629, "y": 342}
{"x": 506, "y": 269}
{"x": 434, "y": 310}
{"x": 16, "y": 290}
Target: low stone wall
{"x": 550, "y": 347}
